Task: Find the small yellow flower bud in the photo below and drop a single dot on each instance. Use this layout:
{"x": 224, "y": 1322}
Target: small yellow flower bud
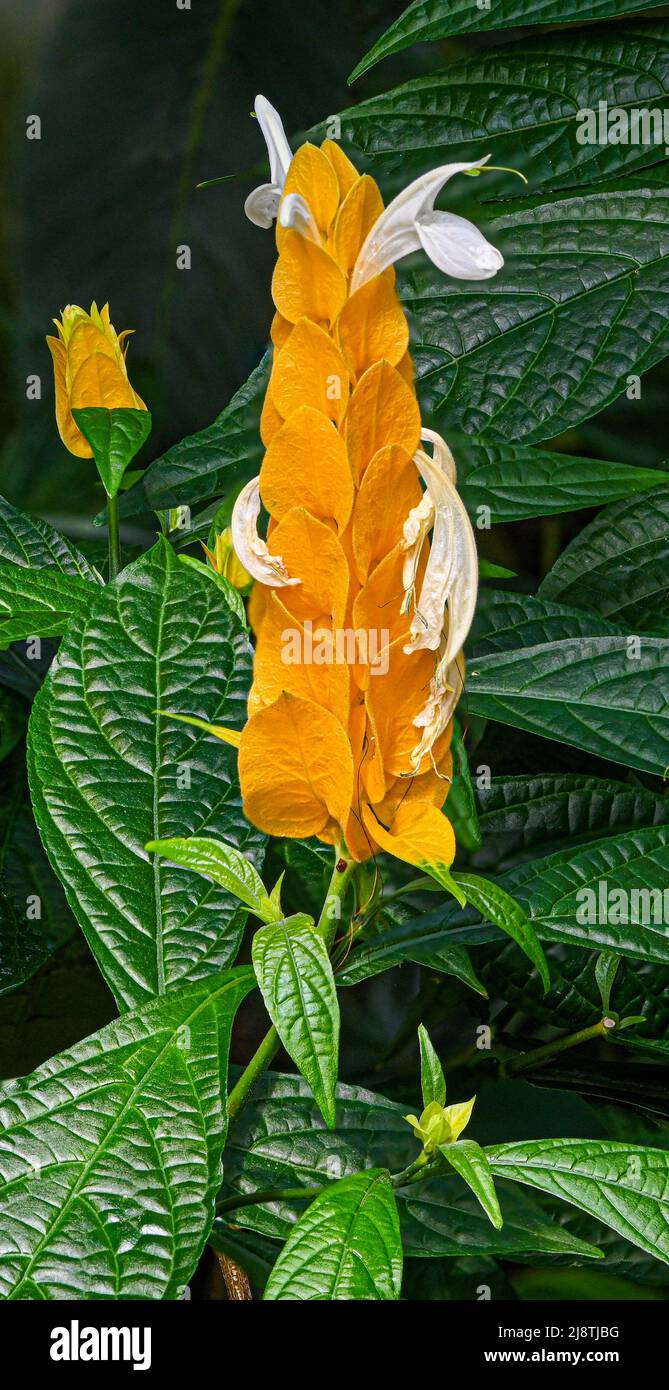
{"x": 89, "y": 370}
{"x": 441, "y": 1125}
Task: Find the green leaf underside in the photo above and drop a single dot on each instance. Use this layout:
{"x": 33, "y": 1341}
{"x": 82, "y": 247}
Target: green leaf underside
{"x": 160, "y": 636}
{"x": 433, "y": 1084}
{"x": 471, "y": 1164}
{"x": 297, "y": 984}
{"x": 623, "y": 1185}
{"x": 426, "y": 20}
{"x": 279, "y": 1138}
{"x": 223, "y": 864}
{"x": 568, "y": 897}
{"x": 346, "y": 1246}
{"x": 110, "y": 1153}
{"x": 32, "y": 542}
{"x": 36, "y": 603}
{"x": 216, "y": 459}
{"x": 115, "y": 436}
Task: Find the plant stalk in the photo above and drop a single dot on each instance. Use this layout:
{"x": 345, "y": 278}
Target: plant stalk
{"x": 327, "y": 925}
{"x": 114, "y": 537}
{"x": 529, "y": 1061}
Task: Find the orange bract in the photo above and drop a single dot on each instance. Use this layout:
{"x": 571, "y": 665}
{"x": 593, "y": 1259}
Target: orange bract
{"x": 332, "y": 725}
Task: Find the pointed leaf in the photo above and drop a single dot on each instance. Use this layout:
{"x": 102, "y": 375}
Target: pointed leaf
{"x": 617, "y": 566}
{"x": 110, "y": 1153}
{"x": 469, "y": 1160}
{"x": 32, "y": 542}
{"x": 223, "y": 864}
{"x": 161, "y": 634}
{"x": 115, "y": 436}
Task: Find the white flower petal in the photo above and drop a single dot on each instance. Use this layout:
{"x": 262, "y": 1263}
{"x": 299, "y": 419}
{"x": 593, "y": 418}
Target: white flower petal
{"x": 250, "y": 549}
{"x": 395, "y": 232}
{"x": 415, "y": 531}
{"x": 457, "y": 247}
{"x": 262, "y": 205}
{"x": 451, "y": 575}
{"x": 445, "y": 689}
{"x": 278, "y": 149}
{"x": 296, "y": 214}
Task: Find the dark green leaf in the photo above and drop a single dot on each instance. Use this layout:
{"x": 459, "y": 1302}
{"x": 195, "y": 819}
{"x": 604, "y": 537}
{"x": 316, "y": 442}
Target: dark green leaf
{"x": 496, "y": 905}
{"x": 600, "y": 694}
{"x": 119, "y": 1192}
{"x": 222, "y": 864}
{"x": 608, "y": 895}
{"x": 39, "y": 603}
{"x": 508, "y": 622}
{"x": 215, "y": 460}
{"x": 115, "y": 436}
{"x": 27, "y": 540}
{"x": 624, "y": 1186}
{"x": 395, "y": 940}
{"x": 555, "y": 335}
{"x": 297, "y": 984}
{"x": 618, "y": 565}
{"x": 525, "y": 817}
{"x": 346, "y": 1246}
{"x": 517, "y": 481}
{"x": 160, "y": 636}
{"x": 426, "y": 20}
{"x": 432, "y": 1081}
{"x": 470, "y": 1162}
{"x": 532, "y": 128}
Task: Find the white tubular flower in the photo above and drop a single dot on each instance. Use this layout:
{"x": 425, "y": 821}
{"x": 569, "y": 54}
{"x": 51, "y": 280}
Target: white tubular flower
{"x": 250, "y": 549}
{"x": 445, "y": 689}
{"x": 411, "y": 221}
{"x": 296, "y": 214}
{"x": 262, "y": 205}
{"x": 448, "y": 593}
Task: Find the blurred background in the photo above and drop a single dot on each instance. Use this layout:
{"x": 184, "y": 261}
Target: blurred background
{"x": 139, "y": 100}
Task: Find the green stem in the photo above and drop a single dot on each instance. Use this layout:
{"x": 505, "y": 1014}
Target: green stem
{"x": 327, "y": 925}
{"x": 268, "y": 1194}
{"x": 114, "y": 537}
{"x": 413, "y": 1173}
{"x": 529, "y": 1061}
